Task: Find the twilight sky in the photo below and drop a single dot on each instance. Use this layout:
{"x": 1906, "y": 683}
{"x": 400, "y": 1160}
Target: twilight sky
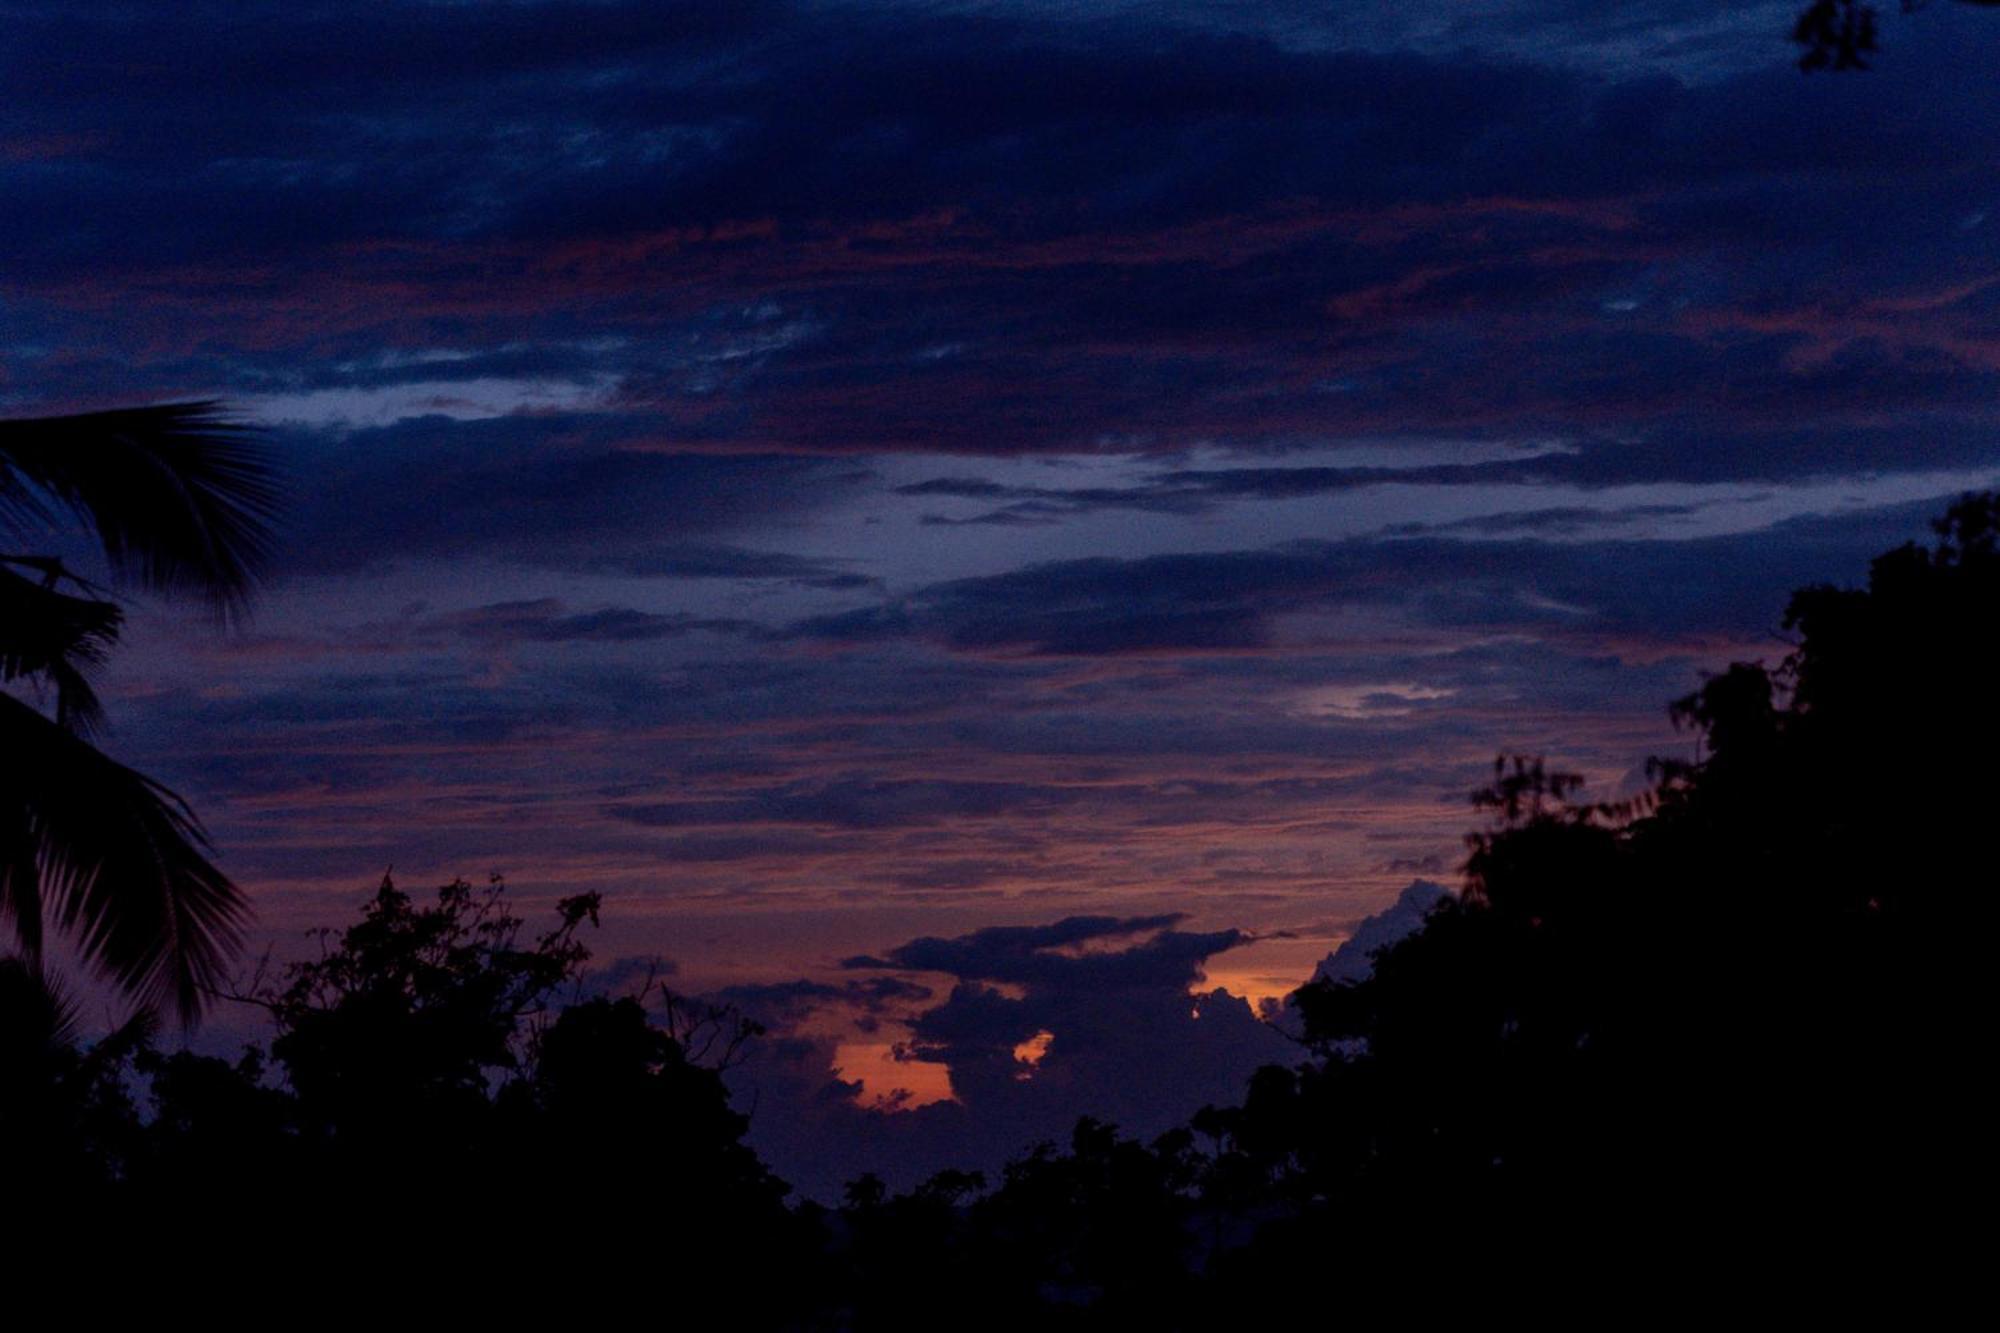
{"x": 972, "y": 521}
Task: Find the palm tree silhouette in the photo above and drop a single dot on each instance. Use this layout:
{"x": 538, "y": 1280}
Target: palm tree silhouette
{"x": 180, "y": 499}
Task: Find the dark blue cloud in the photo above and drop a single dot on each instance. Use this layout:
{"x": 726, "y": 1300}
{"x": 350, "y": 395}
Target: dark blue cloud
{"x": 1011, "y": 229}
{"x": 783, "y": 1004}
{"x": 1678, "y": 452}
{"x": 545, "y": 620}
{"x": 1355, "y": 958}
{"x": 695, "y": 561}
{"x": 1019, "y": 953}
{"x": 859, "y": 804}
{"x": 594, "y": 330}
{"x": 1103, "y": 1008}
{"x": 1226, "y": 600}
{"x": 566, "y": 491}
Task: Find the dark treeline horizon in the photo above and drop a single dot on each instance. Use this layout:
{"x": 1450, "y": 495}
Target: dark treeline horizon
{"x": 1729, "y": 1030}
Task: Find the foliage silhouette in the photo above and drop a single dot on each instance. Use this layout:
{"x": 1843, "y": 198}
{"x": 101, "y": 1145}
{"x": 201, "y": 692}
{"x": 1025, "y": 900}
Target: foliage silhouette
{"x": 1727, "y": 1028}
{"x": 434, "y": 1073}
{"x": 1731, "y": 1029}
{"x": 180, "y": 500}
{"x": 66, "y": 1108}
{"x": 1841, "y": 34}
{"x": 1557, "y": 1043}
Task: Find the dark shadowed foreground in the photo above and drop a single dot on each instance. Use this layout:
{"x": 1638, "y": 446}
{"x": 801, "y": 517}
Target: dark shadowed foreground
{"x": 1730, "y": 1037}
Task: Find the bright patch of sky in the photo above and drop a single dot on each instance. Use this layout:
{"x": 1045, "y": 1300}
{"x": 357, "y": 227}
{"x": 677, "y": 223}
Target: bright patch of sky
{"x": 459, "y": 399}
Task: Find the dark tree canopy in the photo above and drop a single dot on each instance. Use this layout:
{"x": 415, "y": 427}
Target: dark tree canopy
{"x": 1727, "y": 1037}
{"x": 1720, "y": 1040}
{"x": 436, "y": 1083}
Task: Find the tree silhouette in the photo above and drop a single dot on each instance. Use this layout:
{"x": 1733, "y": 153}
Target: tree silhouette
{"x": 1673, "y": 1040}
{"x": 67, "y": 1109}
{"x": 440, "y": 1069}
{"x": 180, "y": 501}
{"x": 1747, "y": 1002}
{"x": 394, "y": 1037}
{"x": 439, "y": 1085}
{"x": 1841, "y": 34}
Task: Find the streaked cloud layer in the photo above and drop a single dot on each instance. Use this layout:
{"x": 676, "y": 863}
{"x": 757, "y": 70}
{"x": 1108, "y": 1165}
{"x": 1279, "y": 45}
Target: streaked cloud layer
{"x": 841, "y": 474}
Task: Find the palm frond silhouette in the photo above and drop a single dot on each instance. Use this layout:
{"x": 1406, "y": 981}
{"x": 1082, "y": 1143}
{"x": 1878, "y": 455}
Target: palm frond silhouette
{"x": 181, "y": 501}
